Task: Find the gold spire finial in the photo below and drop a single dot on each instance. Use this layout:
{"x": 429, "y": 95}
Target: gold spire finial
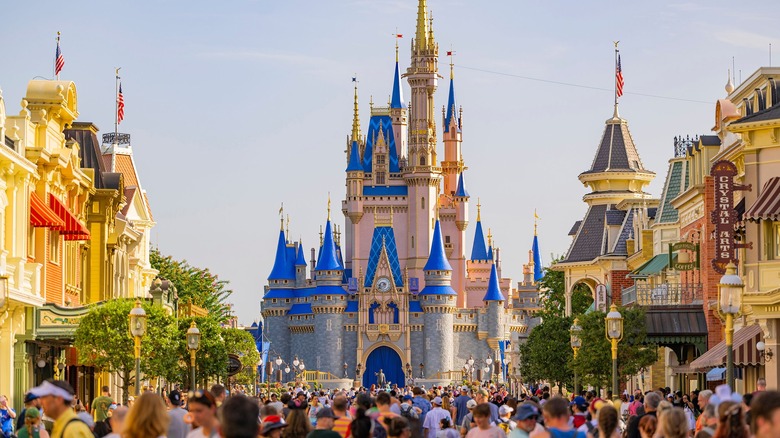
{"x": 479, "y": 210}
{"x": 451, "y": 53}
{"x": 281, "y": 216}
{"x": 328, "y": 206}
{"x": 320, "y": 235}
{"x": 536, "y": 220}
{"x": 288, "y": 225}
{"x": 421, "y": 33}
{"x": 355, "y": 113}
{"x": 490, "y": 237}
{"x": 397, "y": 37}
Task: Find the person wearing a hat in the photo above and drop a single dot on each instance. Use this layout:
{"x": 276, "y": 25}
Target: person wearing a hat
{"x": 177, "y": 428}
{"x": 460, "y": 404}
{"x": 33, "y": 428}
{"x": 324, "y": 428}
{"x": 56, "y": 396}
{"x": 504, "y": 422}
{"x": 580, "y": 409}
{"x": 432, "y": 422}
{"x": 526, "y": 419}
{"x": 468, "y": 419}
{"x": 593, "y": 409}
{"x": 483, "y": 396}
{"x": 30, "y": 401}
{"x": 272, "y": 426}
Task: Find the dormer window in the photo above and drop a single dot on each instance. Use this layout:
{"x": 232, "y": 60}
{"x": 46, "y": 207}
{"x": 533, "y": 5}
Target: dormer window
{"x": 380, "y": 169}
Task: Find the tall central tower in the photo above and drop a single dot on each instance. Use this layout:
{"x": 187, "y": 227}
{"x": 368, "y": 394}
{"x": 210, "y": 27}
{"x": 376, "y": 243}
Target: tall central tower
{"x": 422, "y": 174}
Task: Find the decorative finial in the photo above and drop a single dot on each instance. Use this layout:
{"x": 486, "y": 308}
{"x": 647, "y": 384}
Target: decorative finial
{"x": 321, "y": 235}
{"x": 479, "y": 210}
{"x": 397, "y": 37}
{"x": 729, "y": 84}
{"x": 281, "y": 216}
{"x": 536, "y": 220}
{"x": 451, "y": 53}
{"x": 490, "y": 237}
{"x": 328, "y": 206}
{"x": 355, "y": 113}
{"x": 288, "y": 225}
{"x": 421, "y": 34}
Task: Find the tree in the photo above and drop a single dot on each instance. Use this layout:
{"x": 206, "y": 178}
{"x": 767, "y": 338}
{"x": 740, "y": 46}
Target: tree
{"x": 211, "y": 359}
{"x": 553, "y": 291}
{"x": 103, "y": 341}
{"x": 195, "y": 285}
{"x": 546, "y": 354}
{"x": 594, "y": 360}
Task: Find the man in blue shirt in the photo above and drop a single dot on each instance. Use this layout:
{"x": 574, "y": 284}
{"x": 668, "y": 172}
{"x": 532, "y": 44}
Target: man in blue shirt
{"x": 421, "y": 402}
{"x": 7, "y": 415}
{"x": 482, "y": 396}
{"x": 460, "y": 404}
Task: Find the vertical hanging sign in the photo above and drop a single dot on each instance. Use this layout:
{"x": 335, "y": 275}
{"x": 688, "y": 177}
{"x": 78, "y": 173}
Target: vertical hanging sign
{"x": 724, "y": 216}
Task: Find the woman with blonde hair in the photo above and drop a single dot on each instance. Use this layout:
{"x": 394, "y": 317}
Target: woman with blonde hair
{"x": 447, "y": 406}
{"x": 672, "y": 423}
{"x": 32, "y": 425}
{"x": 147, "y": 418}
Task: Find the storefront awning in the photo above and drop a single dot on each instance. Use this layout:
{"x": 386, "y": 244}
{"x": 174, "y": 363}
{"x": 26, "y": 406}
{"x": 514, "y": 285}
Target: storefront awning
{"x": 767, "y": 206}
{"x": 73, "y": 229}
{"x": 652, "y": 267}
{"x": 716, "y": 374}
{"x": 745, "y": 352}
{"x": 42, "y": 216}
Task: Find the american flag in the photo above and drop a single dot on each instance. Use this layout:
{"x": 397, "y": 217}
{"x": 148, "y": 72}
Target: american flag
{"x": 59, "y": 60}
{"x": 618, "y": 78}
{"x": 120, "y": 106}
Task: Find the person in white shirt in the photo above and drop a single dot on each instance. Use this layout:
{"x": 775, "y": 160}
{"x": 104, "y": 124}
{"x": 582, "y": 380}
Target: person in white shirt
{"x": 433, "y": 418}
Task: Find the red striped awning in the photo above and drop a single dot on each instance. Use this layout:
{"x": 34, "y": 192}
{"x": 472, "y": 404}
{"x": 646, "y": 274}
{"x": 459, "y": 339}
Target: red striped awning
{"x": 42, "y": 216}
{"x": 767, "y": 206}
{"x": 745, "y": 351}
{"x": 73, "y": 229}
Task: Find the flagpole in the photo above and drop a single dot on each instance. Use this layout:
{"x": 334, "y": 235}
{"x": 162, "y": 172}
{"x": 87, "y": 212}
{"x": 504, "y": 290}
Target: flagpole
{"x": 56, "y": 73}
{"x": 615, "y": 74}
{"x": 116, "y": 122}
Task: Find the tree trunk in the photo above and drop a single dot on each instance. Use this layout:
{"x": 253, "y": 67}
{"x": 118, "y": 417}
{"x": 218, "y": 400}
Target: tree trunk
{"x": 125, "y": 386}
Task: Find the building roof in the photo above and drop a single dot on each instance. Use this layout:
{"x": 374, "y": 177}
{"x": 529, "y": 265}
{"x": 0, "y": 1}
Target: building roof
{"x": 386, "y": 124}
{"x": 385, "y": 190}
{"x": 280, "y": 270}
{"x": 451, "y": 108}
{"x": 493, "y": 291}
{"x": 588, "y": 240}
{"x": 329, "y": 290}
{"x": 352, "y": 306}
{"x": 538, "y": 272}
{"x": 301, "y": 258}
{"x": 328, "y": 260}
{"x": 672, "y": 189}
{"x": 478, "y": 250}
{"x": 300, "y": 309}
{"x": 383, "y": 237}
{"x": 679, "y": 321}
{"x": 437, "y": 260}
{"x": 575, "y": 228}
{"x": 710, "y": 140}
{"x": 617, "y": 151}
{"x": 397, "y": 99}
{"x": 771, "y": 113}
{"x": 85, "y": 133}
{"x": 354, "y": 164}
{"x": 461, "y": 190}
{"x": 279, "y": 294}
{"x": 615, "y": 217}
{"x": 415, "y": 307}
{"x": 619, "y": 248}
{"x": 438, "y": 290}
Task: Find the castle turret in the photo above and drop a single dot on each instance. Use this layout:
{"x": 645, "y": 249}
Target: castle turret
{"x": 422, "y": 175}
{"x": 300, "y": 266}
{"x": 329, "y": 299}
{"x": 438, "y": 303}
{"x": 452, "y": 166}
{"x": 355, "y": 174}
{"x": 478, "y": 251}
{"x": 398, "y": 111}
{"x": 494, "y": 301}
{"x": 283, "y": 273}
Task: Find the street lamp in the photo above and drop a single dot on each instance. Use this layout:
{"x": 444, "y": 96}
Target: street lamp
{"x": 730, "y": 306}
{"x": 576, "y": 343}
{"x": 422, "y": 367}
{"x": 614, "y": 329}
{"x": 296, "y": 361}
{"x": 193, "y": 344}
{"x": 138, "y": 330}
{"x": 488, "y": 361}
{"x": 302, "y": 367}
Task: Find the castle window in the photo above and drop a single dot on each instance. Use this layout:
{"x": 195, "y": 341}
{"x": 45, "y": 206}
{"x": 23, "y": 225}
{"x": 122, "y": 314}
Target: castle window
{"x": 412, "y": 242}
{"x": 287, "y": 300}
{"x": 422, "y": 161}
{"x": 380, "y": 178}
{"x": 328, "y": 297}
{"x": 380, "y": 159}
{"x": 446, "y": 239}
{"x": 422, "y": 202}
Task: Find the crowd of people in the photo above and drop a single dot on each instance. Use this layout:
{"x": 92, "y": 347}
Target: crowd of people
{"x": 51, "y": 410}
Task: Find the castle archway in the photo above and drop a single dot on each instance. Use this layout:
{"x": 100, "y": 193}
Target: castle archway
{"x": 389, "y": 361}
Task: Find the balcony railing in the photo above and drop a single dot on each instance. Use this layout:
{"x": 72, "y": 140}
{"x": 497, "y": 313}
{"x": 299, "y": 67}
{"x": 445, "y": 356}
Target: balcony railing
{"x": 665, "y": 294}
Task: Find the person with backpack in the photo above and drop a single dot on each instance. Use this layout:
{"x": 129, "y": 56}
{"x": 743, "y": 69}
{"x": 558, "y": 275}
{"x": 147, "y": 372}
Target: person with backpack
{"x": 56, "y": 396}
{"x": 412, "y": 415}
{"x": 504, "y": 421}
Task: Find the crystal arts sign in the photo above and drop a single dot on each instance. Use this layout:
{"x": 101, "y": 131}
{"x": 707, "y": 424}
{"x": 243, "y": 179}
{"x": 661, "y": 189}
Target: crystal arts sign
{"x": 724, "y": 216}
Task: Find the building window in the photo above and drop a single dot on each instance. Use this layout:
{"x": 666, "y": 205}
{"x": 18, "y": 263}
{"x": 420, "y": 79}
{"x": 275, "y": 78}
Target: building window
{"x": 380, "y": 159}
{"x": 422, "y": 161}
{"x": 446, "y": 239}
{"x": 54, "y": 246}
{"x": 422, "y": 202}
{"x": 31, "y": 243}
{"x": 412, "y": 242}
{"x": 776, "y": 240}
{"x": 380, "y": 178}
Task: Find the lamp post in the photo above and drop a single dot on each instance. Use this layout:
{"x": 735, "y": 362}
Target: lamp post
{"x": 137, "y": 330}
{"x": 193, "y": 344}
{"x": 278, "y": 362}
{"x": 469, "y": 367}
{"x": 576, "y": 343}
{"x": 488, "y": 361}
{"x": 259, "y": 375}
{"x": 614, "y": 332}
{"x": 408, "y": 371}
{"x": 422, "y": 367}
{"x": 302, "y": 367}
{"x": 730, "y": 307}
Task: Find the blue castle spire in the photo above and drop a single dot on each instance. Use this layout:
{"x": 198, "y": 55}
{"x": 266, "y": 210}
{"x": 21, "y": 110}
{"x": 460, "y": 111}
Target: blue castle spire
{"x": 461, "y": 190}
{"x": 301, "y": 258}
{"x": 354, "y": 158}
{"x": 437, "y": 261}
{"x": 538, "y": 274}
{"x": 397, "y": 99}
{"x": 281, "y": 269}
{"x": 328, "y": 260}
{"x": 451, "y": 106}
{"x": 478, "y": 250}
{"x": 493, "y": 291}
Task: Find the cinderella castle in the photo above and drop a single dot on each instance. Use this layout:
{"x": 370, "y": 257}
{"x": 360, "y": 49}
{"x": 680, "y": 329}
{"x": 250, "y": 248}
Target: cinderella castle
{"x": 399, "y": 293}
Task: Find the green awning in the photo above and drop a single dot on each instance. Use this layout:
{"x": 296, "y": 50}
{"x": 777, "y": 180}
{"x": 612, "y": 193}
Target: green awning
{"x": 654, "y": 266}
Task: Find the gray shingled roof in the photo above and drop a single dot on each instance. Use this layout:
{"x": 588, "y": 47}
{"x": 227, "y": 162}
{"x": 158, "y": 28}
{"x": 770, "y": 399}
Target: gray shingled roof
{"x": 575, "y": 228}
{"x": 771, "y": 113}
{"x": 615, "y": 217}
{"x": 616, "y": 150}
{"x": 710, "y": 140}
{"x": 588, "y": 243}
{"x": 625, "y": 232}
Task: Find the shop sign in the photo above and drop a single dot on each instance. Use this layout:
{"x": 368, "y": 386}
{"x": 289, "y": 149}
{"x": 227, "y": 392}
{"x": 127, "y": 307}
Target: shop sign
{"x": 234, "y": 365}
{"x": 724, "y": 216}
{"x": 687, "y": 256}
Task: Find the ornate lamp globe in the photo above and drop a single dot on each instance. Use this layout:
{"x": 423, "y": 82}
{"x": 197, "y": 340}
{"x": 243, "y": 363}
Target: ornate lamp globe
{"x": 193, "y": 337}
{"x": 730, "y": 291}
{"x": 614, "y": 326}
{"x": 138, "y": 320}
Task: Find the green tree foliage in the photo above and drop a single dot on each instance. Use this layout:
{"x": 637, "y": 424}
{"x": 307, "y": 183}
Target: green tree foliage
{"x": 594, "y": 360}
{"x": 103, "y": 340}
{"x": 553, "y": 291}
{"x": 195, "y": 285}
{"x": 544, "y": 355}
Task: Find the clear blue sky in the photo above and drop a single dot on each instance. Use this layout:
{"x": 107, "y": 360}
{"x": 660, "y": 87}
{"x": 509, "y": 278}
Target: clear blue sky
{"x": 236, "y": 106}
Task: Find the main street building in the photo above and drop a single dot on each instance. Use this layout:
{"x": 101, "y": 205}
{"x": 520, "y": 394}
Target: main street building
{"x": 399, "y": 293}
